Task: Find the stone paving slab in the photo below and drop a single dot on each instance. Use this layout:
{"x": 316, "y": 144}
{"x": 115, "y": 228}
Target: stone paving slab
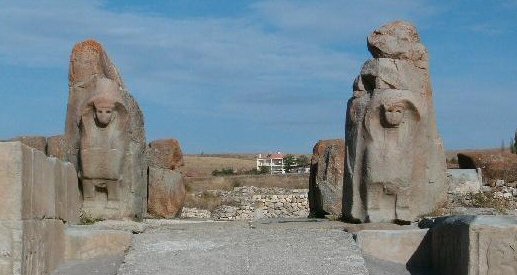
{"x": 262, "y": 247}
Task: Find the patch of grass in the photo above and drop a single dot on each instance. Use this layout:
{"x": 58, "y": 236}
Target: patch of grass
{"x": 488, "y": 200}
{"x": 205, "y": 200}
{"x": 85, "y": 218}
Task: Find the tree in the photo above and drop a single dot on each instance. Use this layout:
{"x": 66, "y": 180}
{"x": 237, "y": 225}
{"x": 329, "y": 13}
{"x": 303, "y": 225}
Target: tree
{"x": 289, "y": 163}
{"x": 264, "y": 170}
{"x": 513, "y": 145}
{"x": 303, "y": 161}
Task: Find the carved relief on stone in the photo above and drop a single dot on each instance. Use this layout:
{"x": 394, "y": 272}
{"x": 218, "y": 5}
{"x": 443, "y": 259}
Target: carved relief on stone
{"x": 105, "y": 137}
{"x": 103, "y": 123}
{"x": 395, "y": 168}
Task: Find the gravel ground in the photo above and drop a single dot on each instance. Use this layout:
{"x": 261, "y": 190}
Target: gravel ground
{"x": 262, "y": 247}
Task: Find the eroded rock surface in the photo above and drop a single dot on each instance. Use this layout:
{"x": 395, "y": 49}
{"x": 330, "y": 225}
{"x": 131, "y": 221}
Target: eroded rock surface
{"x": 166, "y": 193}
{"x": 326, "y": 179}
{"x": 105, "y": 137}
{"x": 166, "y": 154}
{"x": 395, "y": 168}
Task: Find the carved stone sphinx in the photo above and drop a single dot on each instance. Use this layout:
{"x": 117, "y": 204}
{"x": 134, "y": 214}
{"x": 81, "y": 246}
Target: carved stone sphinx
{"x": 395, "y": 168}
{"x": 105, "y": 137}
{"x": 103, "y": 123}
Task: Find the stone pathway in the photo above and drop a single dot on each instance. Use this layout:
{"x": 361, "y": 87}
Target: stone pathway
{"x": 263, "y": 247}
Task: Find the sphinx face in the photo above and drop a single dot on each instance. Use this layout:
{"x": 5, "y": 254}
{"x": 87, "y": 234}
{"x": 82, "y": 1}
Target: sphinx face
{"x": 392, "y": 122}
{"x": 393, "y": 114}
{"x": 103, "y": 115}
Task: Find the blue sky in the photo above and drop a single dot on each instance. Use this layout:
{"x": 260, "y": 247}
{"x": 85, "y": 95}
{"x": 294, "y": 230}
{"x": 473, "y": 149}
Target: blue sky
{"x": 250, "y": 76}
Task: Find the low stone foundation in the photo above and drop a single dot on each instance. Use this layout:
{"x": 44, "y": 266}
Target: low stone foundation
{"x": 251, "y": 203}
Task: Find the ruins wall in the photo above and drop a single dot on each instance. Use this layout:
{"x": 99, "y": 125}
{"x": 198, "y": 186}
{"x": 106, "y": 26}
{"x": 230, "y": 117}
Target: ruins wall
{"x": 39, "y": 196}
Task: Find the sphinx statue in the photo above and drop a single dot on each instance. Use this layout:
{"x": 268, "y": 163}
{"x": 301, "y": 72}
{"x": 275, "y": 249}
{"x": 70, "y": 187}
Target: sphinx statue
{"x": 103, "y": 124}
{"x": 395, "y": 168}
{"x": 105, "y": 137}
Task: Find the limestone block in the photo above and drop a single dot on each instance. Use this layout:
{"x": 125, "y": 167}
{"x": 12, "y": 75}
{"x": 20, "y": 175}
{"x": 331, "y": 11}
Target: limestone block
{"x": 73, "y": 195}
{"x": 56, "y": 147}
{"x": 165, "y": 153}
{"x": 15, "y": 181}
{"x": 11, "y": 233}
{"x": 464, "y": 181}
{"x": 60, "y": 186}
{"x": 166, "y": 193}
{"x": 475, "y": 245}
{"x": 37, "y": 142}
{"x": 83, "y": 243}
{"x": 326, "y": 178}
{"x": 405, "y": 246}
{"x": 43, "y": 187}
{"x": 43, "y": 246}
{"x": 31, "y": 246}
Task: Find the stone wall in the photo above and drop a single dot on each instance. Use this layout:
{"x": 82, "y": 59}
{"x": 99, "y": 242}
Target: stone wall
{"x": 251, "y": 203}
{"x": 39, "y": 196}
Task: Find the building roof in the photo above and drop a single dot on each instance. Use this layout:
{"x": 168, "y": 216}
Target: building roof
{"x": 277, "y": 155}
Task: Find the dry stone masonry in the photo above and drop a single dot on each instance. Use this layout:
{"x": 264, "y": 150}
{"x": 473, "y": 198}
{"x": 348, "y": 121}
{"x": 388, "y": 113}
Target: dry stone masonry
{"x": 105, "y": 136}
{"x": 251, "y": 203}
{"x": 326, "y": 179}
{"x": 395, "y": 168}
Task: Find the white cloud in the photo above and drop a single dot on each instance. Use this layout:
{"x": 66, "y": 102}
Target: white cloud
{"x": 280, "y": 52}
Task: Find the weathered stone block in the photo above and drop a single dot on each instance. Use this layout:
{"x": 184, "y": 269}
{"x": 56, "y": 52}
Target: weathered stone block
{"x": 11, "y": 233}
{"x": 43, "y": 187}
{"x": 15, "y": 181}
{"x": 37, "y": 142}
{"x": 82, "y": 243}
{"x": 31, "y": 246}
{"x": 326, "y": 179}
{"x": 43, "y": 246}
{"x": 475, "y": 245}
{"x": 166, "y": 193}
{"x": 405, "y": 246}
{"x": 464, "y": 181}
{"x": 73, "y": 195}
{"x": 165, "y": 153}
{"x": 56, "y": 147}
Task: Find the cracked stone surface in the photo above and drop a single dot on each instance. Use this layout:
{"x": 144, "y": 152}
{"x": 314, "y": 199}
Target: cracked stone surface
{"x": 262, "y": 247}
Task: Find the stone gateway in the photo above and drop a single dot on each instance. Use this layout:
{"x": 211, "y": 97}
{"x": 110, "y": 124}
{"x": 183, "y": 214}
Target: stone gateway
{"x": 395, "y": 168}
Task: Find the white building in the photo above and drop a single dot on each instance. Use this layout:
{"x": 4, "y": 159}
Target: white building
{"x": 274, "y": 162}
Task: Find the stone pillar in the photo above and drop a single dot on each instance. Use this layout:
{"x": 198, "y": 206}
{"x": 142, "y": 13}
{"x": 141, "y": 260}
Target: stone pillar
{"x": 105, "y": 137}
{"x": 395, "y": 168}
{"x": 326, "y": 178}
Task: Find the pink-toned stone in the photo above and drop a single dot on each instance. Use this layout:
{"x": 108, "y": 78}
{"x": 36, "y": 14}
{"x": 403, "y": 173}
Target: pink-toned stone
{"x": 166, "y": 193}
{"x": 56, "y": 147}
{"x": 166, "y": 154}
